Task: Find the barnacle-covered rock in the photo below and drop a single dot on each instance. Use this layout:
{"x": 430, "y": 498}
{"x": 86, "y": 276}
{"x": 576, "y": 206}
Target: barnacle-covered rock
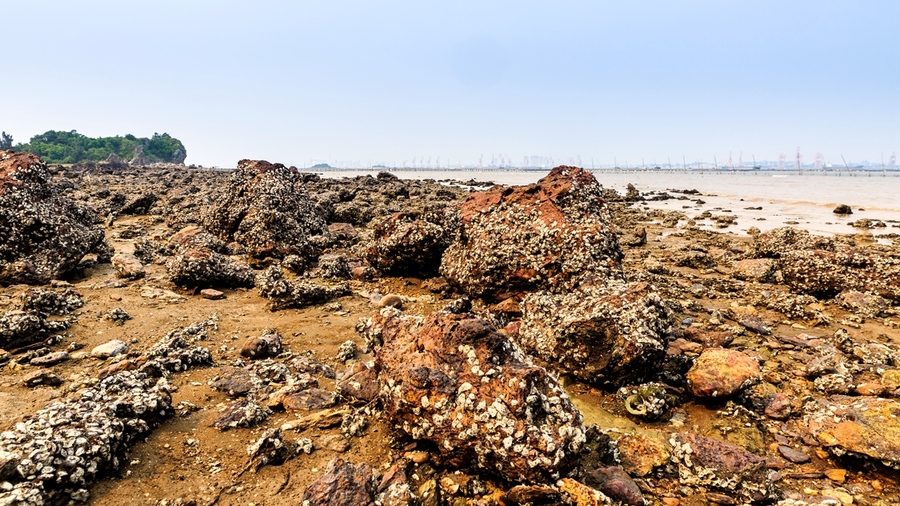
{"x": 865, "y": 427}
{"x": 606, "y": 335}
{"x": 204, "y": 267}
{"x": 342, "y": 483}
{"x": 827, "y": 273}
{"x": 68, "y": 444}
{"x": 21, "y": 328}
{"x": 546, "y": 235}
{"x": 43, "y": 234}
{"x": 410, "y": 242}
{"x": 51, "y": 302}
{"x": 266, "y": 345}
{"x": 241, "y": 413}
{"x": 454, "y": 381}
{"x": 284, "y": 293}
{"x": 265, "y": 208}
{"x": 708, "y": 462}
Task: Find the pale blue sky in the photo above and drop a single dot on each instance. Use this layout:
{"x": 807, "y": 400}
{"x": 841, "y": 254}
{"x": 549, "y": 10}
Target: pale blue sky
{"x": 384, "y": 82}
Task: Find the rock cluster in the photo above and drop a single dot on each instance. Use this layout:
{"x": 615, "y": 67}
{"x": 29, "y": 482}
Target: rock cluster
{"x": 43, "y": 234}
{"x": 284, "y": 292}
{"x": 411, "y": 242}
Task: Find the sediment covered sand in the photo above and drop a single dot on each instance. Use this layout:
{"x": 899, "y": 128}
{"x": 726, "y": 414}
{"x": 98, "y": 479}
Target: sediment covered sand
{"x": 179, "y": 336}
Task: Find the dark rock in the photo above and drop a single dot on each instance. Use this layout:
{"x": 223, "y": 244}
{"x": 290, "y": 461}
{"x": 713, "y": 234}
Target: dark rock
{"x": 234, "y": 381}
{"x": 21, "y": 328}
{"x": 707, "y": 462}
{"x": 43, "y": 377}
{"x": 792, "y": 455}
{"x": 342, "y": 484}
{"x": 284, "y": 293}
{"x": 311, "y": 366}
{"x": 266, "y": 345}
{"x": 600, "y": 334}
{"x": 241, "y": 413}
{"x": 334, "y": 266}
{"x": 204, "y": 267}
{"x": 140, "y": 204}
{"x": 452, "y": 380}
{"x": 265, "y": 208}
{"x": 843, "y": 209}
{"x": 51, "y": 302}
{"x": 43, "y": 235}
{"x": 615, "y": 483}
{"x": 270, "y": 449}
{"x": 546, "y": 235}
{"x": 411, "y": 242}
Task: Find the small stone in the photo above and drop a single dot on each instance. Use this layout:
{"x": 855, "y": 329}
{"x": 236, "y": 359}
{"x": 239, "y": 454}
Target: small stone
{"x": 110, "y": 349}
{"x": 843, "y": 209}
{"x": 267, "y": 345}
{"x": 391, "y": 300}
{"x": 50, "y": 359}
{"x": 836, "y": 475}
{"x": 43, "y": 377}
{"x": 128, "y": 266}
{"x": 212, "y": 294}
{"x": 870, "y": 389}
{"x": 418, "y": 457}
{"x": 792, "y": 455}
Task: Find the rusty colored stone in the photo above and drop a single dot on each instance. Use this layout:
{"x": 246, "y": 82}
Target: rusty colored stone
{"x": 720, "y": 372}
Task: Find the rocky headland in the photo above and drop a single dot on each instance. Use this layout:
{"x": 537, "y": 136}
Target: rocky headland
{"x": 180, "y": 336}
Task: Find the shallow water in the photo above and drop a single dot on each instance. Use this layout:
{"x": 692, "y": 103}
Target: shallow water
{"x": 805, "y": 198}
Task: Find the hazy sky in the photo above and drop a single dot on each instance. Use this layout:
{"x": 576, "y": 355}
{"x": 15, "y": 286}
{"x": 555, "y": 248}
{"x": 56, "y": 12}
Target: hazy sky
{"x": 386, "y": 81}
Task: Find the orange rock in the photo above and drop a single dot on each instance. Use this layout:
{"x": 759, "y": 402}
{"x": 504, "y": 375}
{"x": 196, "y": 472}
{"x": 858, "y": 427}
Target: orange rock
{"x": 719, "y": 372}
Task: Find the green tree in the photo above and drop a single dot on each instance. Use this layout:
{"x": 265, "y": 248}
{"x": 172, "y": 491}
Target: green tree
{"x": 6, "y": 141}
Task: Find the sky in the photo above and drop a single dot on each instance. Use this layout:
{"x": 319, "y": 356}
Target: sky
{"x": 390, "y": 82}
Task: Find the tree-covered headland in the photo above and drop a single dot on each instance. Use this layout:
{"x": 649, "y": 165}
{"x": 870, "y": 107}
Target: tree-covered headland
{"x": 72, "y": 147}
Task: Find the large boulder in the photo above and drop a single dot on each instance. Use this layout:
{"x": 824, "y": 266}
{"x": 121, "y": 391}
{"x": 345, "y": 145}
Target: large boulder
{"x": 599, "y": 334}
{"x": 43, "y": 235}
{"x": 827, "y": 273}
{"x": 546, "y": 235}
{"x": 265, "y": 208}
{"x": 865, "y": 427}
{"x": 452, "y": 380}
{"x": 411, "y": 242}
{"x": 708, "y": 462}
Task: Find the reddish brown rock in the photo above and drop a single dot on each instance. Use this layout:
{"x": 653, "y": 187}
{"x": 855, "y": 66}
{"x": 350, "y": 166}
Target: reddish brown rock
{"x": 865, "y": 427}
{"x": 43, "y": 234}
{"x": 452, "y": 380}
{"x": 640, "y": 454}
{"x": 264, "y": 346}
{"x": 211, "y": 294}
{"x": 708, "y": 338}
{"x": 547, "y": 235}
{"x": 712, "y": 463}
{"x": 720, "y": 372}
{"x": 617, "y": 485}
{"x": 607, "y": 335}
{"x": 128, "y": 266}
{"x": 359, "y": 383}
{"x": 343, "y": 483}
{"x": 864, "y": 304}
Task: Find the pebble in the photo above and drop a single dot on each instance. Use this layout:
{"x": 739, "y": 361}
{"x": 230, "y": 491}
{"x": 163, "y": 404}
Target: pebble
{"x": 836, "y": 475}
{"x": 110, "y": 349}
{"x": 211, "y": 294}
{"x": 795, "y": 456}
{"x": 392, "y": 300}
{"x": 50, "y": 359}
